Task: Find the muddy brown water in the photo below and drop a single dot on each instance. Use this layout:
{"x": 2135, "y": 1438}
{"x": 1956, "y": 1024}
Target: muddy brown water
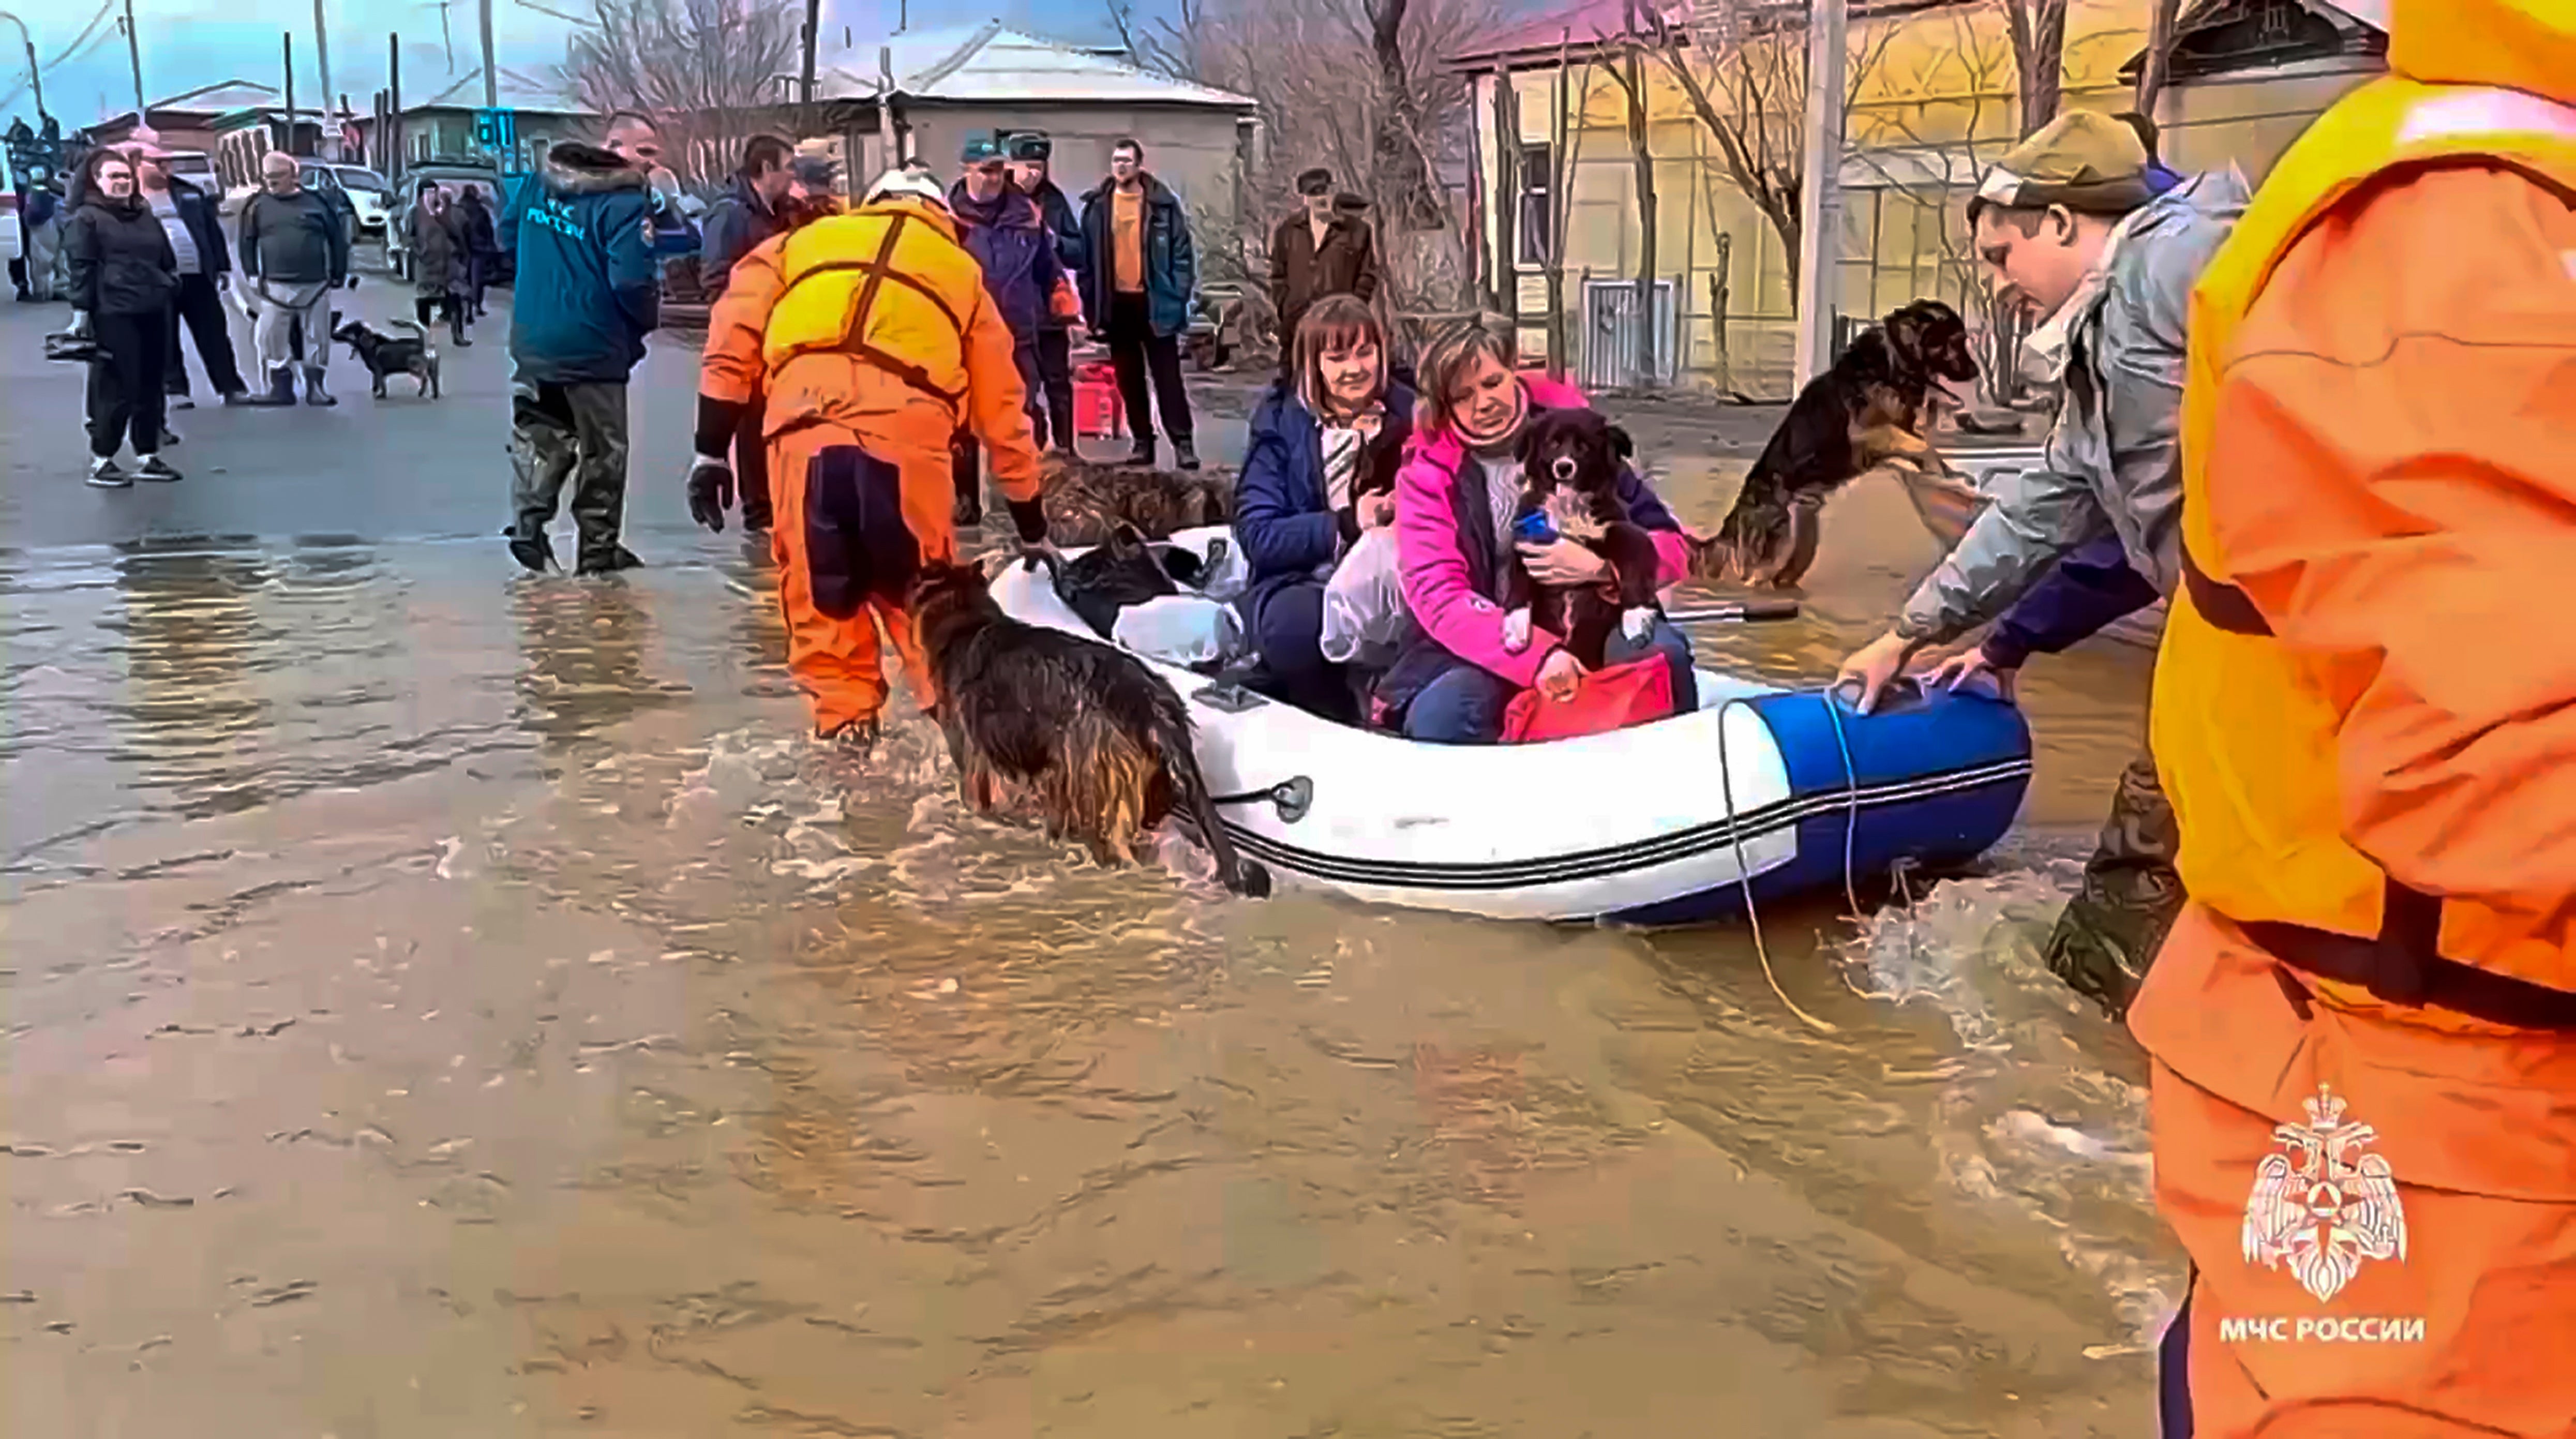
{"x": 447, "y": 1004}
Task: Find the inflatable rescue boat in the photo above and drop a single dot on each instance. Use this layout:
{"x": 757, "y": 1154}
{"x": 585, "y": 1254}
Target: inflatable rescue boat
{"x": 1762, "y": 793}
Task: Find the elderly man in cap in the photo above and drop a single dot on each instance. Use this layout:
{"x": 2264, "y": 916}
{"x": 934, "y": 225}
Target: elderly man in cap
{"x": 1321, "y": 250}
{"x": 2076, "y": 228}
{"x": 1030, "y": 159}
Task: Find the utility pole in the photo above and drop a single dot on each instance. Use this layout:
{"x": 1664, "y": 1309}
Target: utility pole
{"x": 805, "y": 95}
{"x": 35, "y": 73}
{"x": 1820, "y": 192}
{"x": 289, "y": 39}
{"x": 393, "y": 108}
{"x": 134, "y": 54}
{"x": 322, "y": 59}
{"x": 491, "y": 72}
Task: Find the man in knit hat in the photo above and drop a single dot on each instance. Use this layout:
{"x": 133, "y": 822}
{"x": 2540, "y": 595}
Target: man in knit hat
{"x": 2099, "y": 248}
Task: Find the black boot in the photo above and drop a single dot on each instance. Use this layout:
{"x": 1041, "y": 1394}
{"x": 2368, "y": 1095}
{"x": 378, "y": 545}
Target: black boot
{"x": 281, "y": 388}
{"x": 314, "y": 394}
{"x": 536, "y": 556}
{"x": 1142, "y": 457}
{"x": 456, "y": 328}
{"x": 607, "y": 562}
{"x": 1184, "y": 454}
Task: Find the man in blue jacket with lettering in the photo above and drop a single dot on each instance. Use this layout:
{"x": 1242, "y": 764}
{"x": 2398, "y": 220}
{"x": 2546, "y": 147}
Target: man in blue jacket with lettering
{"x": 588, "y": 292}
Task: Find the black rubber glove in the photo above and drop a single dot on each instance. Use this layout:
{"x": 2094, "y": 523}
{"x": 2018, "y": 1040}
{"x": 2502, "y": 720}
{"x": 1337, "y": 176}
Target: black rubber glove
{"x": 710, "y": 492}
{"x": 717, "y": 421}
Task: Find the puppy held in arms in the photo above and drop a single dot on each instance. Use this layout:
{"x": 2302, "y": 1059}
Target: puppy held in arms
{"x": 1871, "y": 406}
{"x": 1102, "y": 745}
{"x": 1570, "y": 463}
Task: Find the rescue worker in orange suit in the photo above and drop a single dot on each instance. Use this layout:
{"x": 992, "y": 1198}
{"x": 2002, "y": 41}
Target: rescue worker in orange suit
{"x": 873, "y": 340}
{"x": 2363, "y": 1026}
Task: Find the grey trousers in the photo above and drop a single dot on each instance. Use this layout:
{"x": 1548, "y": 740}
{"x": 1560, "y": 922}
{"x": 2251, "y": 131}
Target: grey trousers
{"x": 573, "y": 432}
{"x": 280, "y": 307}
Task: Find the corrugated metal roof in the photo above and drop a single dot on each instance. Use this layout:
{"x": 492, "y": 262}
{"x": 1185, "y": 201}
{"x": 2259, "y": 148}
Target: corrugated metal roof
{"x": 989, "y": 62}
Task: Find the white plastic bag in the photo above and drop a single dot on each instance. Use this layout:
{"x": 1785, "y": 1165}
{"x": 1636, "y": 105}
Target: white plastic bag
{"x": 1180, "y": 630}
{"x": 1365, "y": 618}
{"x": 1227, "y": 573}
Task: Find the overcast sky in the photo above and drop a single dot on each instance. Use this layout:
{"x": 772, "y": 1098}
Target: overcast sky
{"x": 188, "y": 43}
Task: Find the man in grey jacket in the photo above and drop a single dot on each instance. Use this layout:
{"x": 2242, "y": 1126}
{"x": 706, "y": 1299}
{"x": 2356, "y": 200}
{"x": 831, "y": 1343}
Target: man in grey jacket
{"x": 294, "y": 253}
{"x": 2075, "y": 226}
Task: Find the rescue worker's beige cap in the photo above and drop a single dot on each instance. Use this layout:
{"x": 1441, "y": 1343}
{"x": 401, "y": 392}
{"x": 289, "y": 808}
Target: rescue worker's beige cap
{"x": 2083, "y": 160}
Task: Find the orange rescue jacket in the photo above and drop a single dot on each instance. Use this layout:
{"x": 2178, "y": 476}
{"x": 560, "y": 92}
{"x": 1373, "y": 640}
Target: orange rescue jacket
{"x": 2365, "y": 705}
{"x": 877, "y": 321}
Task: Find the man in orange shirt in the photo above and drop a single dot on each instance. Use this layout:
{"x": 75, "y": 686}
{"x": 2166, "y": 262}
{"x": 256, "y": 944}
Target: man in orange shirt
{"x": 2364, "y": 1023}
{"x": 870, "y": 340}
{"x": 1139, "y": 273}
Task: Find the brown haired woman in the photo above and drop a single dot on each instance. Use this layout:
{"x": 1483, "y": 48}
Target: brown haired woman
{"x": 1318, "y": 472}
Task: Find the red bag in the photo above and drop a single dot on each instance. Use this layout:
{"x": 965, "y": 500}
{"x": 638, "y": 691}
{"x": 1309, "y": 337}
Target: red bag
{"x": 1612, "y": 697}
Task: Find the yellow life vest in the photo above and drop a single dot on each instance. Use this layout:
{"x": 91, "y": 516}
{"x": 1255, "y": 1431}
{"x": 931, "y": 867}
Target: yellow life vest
{"x": 888, "y": 284}
{"x": 2244, "y": 729}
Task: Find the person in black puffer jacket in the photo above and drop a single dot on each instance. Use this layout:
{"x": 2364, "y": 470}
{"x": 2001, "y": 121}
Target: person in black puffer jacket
{"x": 123, "y": 280}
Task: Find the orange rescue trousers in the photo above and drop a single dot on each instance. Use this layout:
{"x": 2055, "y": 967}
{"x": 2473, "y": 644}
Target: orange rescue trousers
{"x": 836, "y": 661}
{"x": 2469, "y": 1328}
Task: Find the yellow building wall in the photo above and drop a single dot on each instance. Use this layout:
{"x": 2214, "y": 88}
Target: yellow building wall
{"x": 1935, "y": 101}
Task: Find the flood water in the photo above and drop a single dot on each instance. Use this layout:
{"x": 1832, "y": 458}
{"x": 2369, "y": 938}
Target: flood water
{"x": 440, "y": 1003}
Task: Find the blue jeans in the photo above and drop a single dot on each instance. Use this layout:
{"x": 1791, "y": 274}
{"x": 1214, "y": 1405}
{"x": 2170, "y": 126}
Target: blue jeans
{"x": 1465, "y": 704}
{"x": 1287, "y": 630}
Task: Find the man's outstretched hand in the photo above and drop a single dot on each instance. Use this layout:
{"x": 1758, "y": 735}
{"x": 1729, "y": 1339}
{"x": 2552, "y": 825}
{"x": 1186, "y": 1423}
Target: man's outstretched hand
{"x": 1875, "y": 666}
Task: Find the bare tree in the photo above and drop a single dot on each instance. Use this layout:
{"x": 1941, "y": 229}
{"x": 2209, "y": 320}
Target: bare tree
{"x": 1358, "y": 86}
{"x": 1742, "y": 67}
{"x": 2038, "y": 29}
{"x": 1628, "y": 71}
{"x": 2158, "y": 60}
{"x": 706, "y": 70}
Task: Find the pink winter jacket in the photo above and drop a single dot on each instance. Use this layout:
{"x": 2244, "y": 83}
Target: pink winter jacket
{"x": 1448, "y": 567}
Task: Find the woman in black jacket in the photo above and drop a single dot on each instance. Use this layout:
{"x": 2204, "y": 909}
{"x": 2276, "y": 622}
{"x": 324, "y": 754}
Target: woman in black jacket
{"x": 123, "y": 278}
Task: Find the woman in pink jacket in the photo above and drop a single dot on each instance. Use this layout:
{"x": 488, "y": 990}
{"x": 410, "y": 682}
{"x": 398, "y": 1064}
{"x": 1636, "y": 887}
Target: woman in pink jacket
{"x": 1453, "y": 507}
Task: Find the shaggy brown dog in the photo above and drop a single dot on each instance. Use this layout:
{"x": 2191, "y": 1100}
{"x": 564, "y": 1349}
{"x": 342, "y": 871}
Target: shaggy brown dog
{"x": 1102, "y": 745}
{"x": 1085, "y": 501}
{"x": 1868, "y": 407}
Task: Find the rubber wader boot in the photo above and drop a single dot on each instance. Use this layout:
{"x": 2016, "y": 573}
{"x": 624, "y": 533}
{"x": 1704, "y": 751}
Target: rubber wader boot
{"x": 314, "y": 394}
{"x": 281, "y": 387}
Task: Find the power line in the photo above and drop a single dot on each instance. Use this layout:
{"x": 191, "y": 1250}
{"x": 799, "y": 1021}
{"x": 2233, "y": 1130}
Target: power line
{"x": 79, "y": 45}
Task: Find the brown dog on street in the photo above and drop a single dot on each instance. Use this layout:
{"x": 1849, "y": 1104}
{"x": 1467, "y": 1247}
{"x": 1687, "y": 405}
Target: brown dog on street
{"x": 1086, "y": 501}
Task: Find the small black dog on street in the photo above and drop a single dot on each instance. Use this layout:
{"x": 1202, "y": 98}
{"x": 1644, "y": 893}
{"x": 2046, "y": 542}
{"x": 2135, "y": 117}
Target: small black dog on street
{"x": 1867, "y": 407}
{"x": 1570, "y": 463}
{"x": 1101, "y": 743}
{"x": 388, "y": 355}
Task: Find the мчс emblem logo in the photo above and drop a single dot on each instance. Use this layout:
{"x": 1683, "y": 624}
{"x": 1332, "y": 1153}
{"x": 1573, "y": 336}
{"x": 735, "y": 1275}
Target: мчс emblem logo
{"x": 2322, "y": 1204}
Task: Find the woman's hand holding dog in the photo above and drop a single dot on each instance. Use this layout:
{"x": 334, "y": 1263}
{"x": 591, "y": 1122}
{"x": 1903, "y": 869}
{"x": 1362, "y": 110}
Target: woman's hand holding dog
{"x": 1563, "y": 564}
{"x": 1558, "y": 674}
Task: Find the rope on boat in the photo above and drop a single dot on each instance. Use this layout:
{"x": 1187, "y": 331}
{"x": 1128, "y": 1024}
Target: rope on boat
{"x": 1744, "y": 868}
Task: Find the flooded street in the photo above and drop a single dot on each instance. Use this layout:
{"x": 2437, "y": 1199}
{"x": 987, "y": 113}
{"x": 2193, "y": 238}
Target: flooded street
{"x": 442, "y": 1002}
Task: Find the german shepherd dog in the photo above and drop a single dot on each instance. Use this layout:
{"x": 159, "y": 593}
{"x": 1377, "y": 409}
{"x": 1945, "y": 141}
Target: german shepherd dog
{"x": 1102, "y": 744}
{"x": 1570, "y": 463}
{"x": 388, "y": 355}
{"x": 1085, "y": 501}
{"x": 1866, "y": 409}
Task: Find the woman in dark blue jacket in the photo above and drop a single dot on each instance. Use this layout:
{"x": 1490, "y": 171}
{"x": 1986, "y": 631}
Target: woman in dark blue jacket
{"x": 1318, "y": 473}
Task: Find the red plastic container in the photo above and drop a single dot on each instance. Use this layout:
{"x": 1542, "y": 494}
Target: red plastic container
{"x": 1096, "y": 411}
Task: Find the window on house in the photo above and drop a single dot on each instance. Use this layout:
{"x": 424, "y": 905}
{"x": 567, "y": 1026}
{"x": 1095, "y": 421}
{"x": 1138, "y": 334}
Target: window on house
{"x": 1537, "y": 223}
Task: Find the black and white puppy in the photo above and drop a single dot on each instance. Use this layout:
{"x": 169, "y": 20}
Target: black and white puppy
{"x": 388, "y": 355}
{"x": 1570, "y": 462}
